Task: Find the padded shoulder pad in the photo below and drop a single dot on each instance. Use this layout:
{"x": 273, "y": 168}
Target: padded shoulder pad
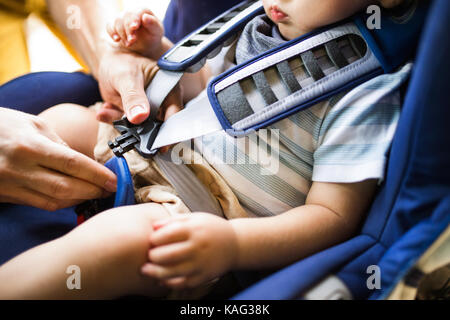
{"x": 191, "y": 53}
{"x": 292, "y": 77}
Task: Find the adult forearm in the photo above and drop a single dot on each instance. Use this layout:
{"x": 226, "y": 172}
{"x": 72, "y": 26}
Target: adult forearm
{"x": 89, "y": 36}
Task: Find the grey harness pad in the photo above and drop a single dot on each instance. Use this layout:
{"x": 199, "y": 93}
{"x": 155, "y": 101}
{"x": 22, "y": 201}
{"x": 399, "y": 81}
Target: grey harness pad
{"x": 300, "y": 74}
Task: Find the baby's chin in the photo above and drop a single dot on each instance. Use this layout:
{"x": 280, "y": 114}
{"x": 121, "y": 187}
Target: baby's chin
{"x": 290, "y": 32}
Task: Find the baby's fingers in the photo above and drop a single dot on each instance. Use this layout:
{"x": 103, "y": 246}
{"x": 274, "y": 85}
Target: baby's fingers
{"x": 180, "y": 283}
{"x": 171, "y": 254}
{"x": 120, "y": 30}
{"x": 171, "y": 233}
{"x": 109, "y": 113}
{"x": 163, "y": 272}
{"x": 112, "y": 33}
{"x": 132, "y": 23}
{"x": 150, "y": 22}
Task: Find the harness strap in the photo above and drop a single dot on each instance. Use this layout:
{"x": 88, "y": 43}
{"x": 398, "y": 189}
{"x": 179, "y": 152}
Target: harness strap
{"x": 310, "y": 62}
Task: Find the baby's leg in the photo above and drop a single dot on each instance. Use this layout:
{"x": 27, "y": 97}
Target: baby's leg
{"x": 107, "y": 251}
{"x": 111, "y": 248}
{"x": 75, "y": 124}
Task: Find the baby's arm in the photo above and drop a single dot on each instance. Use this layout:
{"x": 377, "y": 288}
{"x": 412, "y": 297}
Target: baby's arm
{"x": 332, "y": 214}
{"x": 199, "y": 247}
{"x": 143, "y": 33}
{"x": 140, "y": 32}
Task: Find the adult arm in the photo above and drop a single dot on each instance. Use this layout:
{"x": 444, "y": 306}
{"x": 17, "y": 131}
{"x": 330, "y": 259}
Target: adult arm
{"x": 37, "y": 168}
{"x": 122, "y": 75}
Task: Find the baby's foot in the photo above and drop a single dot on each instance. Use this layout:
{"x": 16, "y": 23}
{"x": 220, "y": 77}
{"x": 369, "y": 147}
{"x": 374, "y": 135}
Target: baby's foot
{"x": 140, "y": 32}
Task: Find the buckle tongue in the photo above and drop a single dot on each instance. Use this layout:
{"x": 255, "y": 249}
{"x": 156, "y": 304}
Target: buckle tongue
{"x": 139, "y": 137}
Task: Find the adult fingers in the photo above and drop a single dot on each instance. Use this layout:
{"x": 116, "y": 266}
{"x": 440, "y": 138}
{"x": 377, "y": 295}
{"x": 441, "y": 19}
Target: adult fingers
{"x": 65, "y": 160}
{"x": 25, "y": 196}
{"x": 171, "y": 105}
{"x": 109, "y": 113}
{"x": 59, "y": 186}
{"x": 134, "y": 99}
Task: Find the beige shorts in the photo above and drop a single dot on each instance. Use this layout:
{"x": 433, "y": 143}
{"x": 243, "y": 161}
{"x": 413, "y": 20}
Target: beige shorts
{"x": 151, "y": 185}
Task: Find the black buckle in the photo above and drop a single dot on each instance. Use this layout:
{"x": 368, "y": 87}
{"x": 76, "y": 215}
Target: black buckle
{"x": 139, "y": 137}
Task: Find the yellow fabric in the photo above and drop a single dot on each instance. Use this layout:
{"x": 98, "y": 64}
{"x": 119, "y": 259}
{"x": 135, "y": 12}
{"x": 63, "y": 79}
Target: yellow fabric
{"x": 14, "y": 59}
{"x": 64, "y": 41}
{"x": 23, "y": 7}
{"x": 13, "y": 49}
{"x": 435, "y": 266}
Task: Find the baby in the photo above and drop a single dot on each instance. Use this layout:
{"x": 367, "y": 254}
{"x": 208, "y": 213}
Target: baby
{"x": 331, "y": 158}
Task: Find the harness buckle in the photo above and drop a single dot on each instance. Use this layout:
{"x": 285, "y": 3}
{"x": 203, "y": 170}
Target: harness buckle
{"x": 139, "y": 137}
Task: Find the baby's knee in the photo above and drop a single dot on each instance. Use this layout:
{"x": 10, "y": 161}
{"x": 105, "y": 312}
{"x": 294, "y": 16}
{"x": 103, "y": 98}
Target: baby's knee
{"x": 128, "y": 227}
{"x": 75, "y": 124}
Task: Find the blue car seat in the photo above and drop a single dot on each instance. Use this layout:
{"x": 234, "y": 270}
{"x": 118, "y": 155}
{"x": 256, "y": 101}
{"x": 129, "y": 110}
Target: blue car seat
{"x": 413, "y": 206}
{"x": 411, "y": 209}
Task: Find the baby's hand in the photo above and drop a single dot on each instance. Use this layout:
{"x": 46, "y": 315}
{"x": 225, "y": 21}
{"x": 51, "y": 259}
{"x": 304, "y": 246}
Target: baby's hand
{"x": 190, "y": 250}
{"x": 140, "y": 32}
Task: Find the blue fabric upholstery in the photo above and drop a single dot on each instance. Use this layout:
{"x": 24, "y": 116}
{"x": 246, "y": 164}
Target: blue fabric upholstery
{"x": 23, "y": 227}
{"x": 36, "y": 92}
{"x": 184, "y": 16}
{"x": 413, "y": 205}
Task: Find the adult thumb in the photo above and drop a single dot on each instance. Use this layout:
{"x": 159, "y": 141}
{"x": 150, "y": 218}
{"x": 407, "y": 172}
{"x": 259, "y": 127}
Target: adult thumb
{"x": 135, "y": 102}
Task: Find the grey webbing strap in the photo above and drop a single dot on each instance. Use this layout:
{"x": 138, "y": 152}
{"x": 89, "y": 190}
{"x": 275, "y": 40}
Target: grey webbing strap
{"x": 335, "y": 54}
{"x": 358, "y": 47}
{"x": 236, "y": 106}
{"x": 214, "y": 27}
{"x": 288, "y": 77}
{"x": 156, "y": 93}
{"x": 264, "y": 88}
{"x": 188, "y": 187}
{"x": 310, "y": 62}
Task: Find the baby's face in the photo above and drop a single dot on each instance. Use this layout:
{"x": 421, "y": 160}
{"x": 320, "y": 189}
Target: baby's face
{"x": 297, "y": 17}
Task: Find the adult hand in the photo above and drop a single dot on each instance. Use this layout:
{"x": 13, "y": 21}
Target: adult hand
{"x": 122, "y": 77}
{"x": 38, "y": 169}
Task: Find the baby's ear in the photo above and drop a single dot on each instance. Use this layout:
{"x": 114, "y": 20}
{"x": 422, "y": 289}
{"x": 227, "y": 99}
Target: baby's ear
{"x": 390, "y": 3}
